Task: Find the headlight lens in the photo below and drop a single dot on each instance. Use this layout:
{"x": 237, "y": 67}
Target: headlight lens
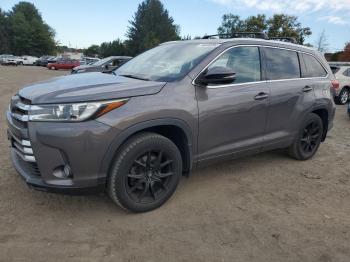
{"x": 72, "y": 112}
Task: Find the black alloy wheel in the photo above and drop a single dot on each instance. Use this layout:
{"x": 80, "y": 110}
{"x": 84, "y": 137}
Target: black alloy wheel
{"x": 311, "y": 137}
{"x": 145, "y": 172}
{"x": 149, "y": 176}
{"x": 308, "y": 139}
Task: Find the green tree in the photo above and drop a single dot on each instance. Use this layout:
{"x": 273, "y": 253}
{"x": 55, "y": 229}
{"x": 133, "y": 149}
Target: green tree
{"x": 4, "y": 41}
{"x": 256, "y": 23}
{"x": 279, "y": 25}
{"x": 29, "y": 34}
{"x": 92, "y": 51}
{"x": 231, "y": 23}
{"x": 114, "y": 48}
{"x": 282, "y": 25}
{"x": 151, "y": 25}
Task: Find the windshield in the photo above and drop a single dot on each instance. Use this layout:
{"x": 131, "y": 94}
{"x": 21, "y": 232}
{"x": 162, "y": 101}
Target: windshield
{"x": 169, "y": 62}
{"x": 101, "y": 62}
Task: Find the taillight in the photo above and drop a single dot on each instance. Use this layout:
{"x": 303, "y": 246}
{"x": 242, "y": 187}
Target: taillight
{"x": 335, "y": 84}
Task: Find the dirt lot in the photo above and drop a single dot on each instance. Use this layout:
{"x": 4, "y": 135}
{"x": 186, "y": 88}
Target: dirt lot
{"x": 262, "y": 208}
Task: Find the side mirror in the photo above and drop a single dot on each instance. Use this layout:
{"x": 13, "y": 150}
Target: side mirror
{"x": 217, "y": 75}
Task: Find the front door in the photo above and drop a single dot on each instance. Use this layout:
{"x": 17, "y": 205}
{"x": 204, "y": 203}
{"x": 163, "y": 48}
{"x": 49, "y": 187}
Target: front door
{"x": 232, "y": 117}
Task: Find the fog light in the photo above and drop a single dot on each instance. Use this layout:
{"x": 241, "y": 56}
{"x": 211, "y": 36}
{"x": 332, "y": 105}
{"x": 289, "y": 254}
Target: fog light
{"x": 67, "y": 171}
{"x": 63, "y": 172}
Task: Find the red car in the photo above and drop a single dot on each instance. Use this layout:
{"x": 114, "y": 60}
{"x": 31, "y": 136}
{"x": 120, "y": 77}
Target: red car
{"x": 63, "y": 64}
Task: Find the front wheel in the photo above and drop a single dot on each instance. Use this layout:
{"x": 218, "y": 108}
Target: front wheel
{"x": 308, "y": 139}
{"x": 145, "y": 173}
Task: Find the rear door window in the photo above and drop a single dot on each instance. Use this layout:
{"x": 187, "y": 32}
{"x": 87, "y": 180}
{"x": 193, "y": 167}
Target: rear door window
{"x": 313, "y": 67}
{"x": 281, "y": 64}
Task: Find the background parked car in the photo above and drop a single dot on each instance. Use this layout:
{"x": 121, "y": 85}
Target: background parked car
{"x": 29, "y": 60}
{"x": 105, "y": 64}
{"x": 44, "y": 60}
{"x": 88, "y": 60}
{"x": 342, "y": 73}
{"x": 11, "y": 60}
{"x": 3, "y": 56}
{"x": 63, "y": 64}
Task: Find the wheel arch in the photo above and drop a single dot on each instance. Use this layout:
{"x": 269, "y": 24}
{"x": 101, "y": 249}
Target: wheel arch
{"x": 347, "y": 87}
{"x": 323, "y": 113}
{"x": 174, "y": 129}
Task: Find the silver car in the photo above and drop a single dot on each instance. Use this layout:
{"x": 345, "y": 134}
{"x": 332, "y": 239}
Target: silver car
{"x": 342, "y": 73}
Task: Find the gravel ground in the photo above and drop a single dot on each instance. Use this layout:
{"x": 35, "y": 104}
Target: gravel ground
{"x": 261, "y": 208}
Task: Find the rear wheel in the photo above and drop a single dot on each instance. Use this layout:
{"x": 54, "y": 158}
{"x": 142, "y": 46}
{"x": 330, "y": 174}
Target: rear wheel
{"x": 53, "y": 68}
{"x": 343, "y": 97}
{"x": 309, "y": 138}
{"x": 145, "y": 173}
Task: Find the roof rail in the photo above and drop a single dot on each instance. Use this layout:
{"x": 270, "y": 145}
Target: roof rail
{"x": 285, "y": 39}
{"x": 260, "y": 35}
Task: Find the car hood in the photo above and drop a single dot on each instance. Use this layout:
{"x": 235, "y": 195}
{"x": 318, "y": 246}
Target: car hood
{"x": 87, "y": 87}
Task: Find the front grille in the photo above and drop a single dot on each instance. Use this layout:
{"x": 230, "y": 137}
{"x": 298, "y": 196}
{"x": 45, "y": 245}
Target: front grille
{"x": 19, "y": 110}
{"x": 21, "y": 145}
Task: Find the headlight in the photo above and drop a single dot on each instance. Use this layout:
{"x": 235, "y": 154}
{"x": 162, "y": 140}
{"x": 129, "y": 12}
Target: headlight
{"x": 73, "y": 112}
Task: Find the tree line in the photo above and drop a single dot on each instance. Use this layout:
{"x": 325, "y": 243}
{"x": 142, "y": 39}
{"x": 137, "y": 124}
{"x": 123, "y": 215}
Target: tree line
{"x": 23, "y": 31}
{"x": 152, "y": 25}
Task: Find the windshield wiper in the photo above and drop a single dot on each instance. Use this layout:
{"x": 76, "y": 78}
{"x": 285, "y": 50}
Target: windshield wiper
{"x": 136, "y": 77}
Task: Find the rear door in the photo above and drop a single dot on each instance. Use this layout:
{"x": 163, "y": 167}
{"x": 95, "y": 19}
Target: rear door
{"x": 232, "y": 117}
{"x": 291, "y": 95}
{"x": 317, "y": 75}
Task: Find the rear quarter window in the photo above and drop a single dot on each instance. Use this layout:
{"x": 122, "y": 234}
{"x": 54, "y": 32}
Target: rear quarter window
{"x": 281, "y": 64}
{"x": 313, "y": 67}
{"x": 347, "y": 72}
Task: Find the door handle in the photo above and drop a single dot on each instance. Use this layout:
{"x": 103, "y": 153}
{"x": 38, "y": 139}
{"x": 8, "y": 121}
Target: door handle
{"x": 261, "y": 96}
{"x": 307, "y": 89}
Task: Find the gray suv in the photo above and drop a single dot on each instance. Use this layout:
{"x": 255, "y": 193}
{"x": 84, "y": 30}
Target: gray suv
{"x": 174, "y": 108}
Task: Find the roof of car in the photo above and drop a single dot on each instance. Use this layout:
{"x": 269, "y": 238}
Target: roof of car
{"x": 247, "y": 41}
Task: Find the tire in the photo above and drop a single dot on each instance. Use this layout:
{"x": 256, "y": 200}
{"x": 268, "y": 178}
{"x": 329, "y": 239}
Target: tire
{"x": 53, "y": 68}
{"x": 308, "y": 139}
{"x": 343, "y": 97}
{"x": 145, "y": 172}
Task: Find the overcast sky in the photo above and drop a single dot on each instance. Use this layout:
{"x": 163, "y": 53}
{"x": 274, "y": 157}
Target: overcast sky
{"x": 80, "y": 23}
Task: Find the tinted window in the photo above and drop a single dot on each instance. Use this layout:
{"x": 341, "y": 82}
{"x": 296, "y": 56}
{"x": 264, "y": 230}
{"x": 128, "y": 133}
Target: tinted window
{"x": 281, "y": 64}
{"x": 244, "y": 61}
{"x": 313, "y": 67}
{"x": 347, "y": 72}
{"x": 335, "y": 69}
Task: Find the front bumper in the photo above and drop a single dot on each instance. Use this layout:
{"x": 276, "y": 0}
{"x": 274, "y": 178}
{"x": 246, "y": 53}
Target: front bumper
{"x": 39, "y": 150}
{"x": 36, "y": 182}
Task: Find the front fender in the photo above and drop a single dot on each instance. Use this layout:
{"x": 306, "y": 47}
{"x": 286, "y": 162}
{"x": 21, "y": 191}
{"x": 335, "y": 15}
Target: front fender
{"x": 136, "y": 128}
